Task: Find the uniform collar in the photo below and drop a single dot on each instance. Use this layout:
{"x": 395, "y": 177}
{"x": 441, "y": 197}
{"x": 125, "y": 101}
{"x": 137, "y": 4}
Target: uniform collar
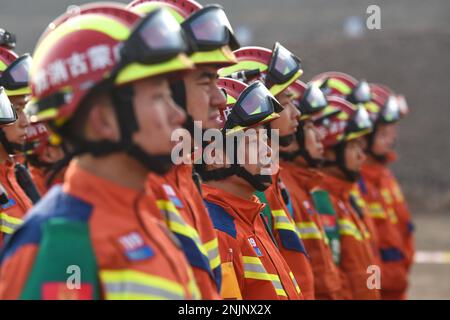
{"x": 246, "y": 210}
{"x": 93, "y": 189}
{"x": 337, "y": 186}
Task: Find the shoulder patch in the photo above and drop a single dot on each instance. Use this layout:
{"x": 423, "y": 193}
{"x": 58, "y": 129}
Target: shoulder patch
{"x": 55, "y": 204}
{"x": 221, "y": 219}
{"x": 322, "y": 202}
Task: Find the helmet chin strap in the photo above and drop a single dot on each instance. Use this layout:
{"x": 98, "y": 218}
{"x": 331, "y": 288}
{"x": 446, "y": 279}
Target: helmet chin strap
{"x": 10, "y": 147}
{"x": 370, "y": 143}
{"x": 255, "y": 180}
{"x": 122, "y": 99}
{"x": 302, "y": 151}
{"x": 351, "y": 175}
{"x": 285, "y": 141}
{"x": 339, "y": 150}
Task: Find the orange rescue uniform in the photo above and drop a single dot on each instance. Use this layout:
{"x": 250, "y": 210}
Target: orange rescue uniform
{"x": 327, "y": 279}
{"x": 357, "y": 257}
{"x": 288, "y": 239}
{"x": 12, "y": 213}
{"x": 252, "y": 266}
{"x": 135, "y": 256}
{"x": 376, "y": 190}
{"x": 186, "y": 216}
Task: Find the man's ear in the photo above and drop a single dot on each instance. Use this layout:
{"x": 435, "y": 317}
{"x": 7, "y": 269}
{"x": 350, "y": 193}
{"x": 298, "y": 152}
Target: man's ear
{"x": 102, "y": 121}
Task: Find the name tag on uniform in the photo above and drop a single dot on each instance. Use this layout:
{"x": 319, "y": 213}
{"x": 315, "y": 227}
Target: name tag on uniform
{"x": 252, "y": 242}
{"x": 135, "y": 248}
{"x": 9, "y": 204}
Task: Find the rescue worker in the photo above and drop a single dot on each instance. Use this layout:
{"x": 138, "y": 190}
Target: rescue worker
{"x": 41, "y": 155}
{"x": 343, "y": 136}
{"x": 379, "y": 190}
{"x": 298, "y": 162}
{"x": 381, "y": 219}
{"x": 117, "y": 115}
{"x": 14, "y": 78}
{"x": 278, "y": 68}
{"x": 253, "y": 268}
{"x": 356, "y": 92}
{"x": 179, "y": 197}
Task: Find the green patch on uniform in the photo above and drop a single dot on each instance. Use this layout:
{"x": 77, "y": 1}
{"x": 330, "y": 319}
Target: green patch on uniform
{"x": 267, "y": 213}
{"x": 328, "y": 218}
{"x": 65, "y": 265}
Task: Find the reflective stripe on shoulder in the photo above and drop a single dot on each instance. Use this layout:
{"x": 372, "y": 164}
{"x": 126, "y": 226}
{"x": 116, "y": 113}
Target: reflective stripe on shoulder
{"x": 178, "y": 225}
{"x": 212, "y": 247}
{"x": 8, "y": 224}
{"x": 309, "y": 230}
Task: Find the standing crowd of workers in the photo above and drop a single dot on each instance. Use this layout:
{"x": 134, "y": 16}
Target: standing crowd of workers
{"x": 89, "y": 182}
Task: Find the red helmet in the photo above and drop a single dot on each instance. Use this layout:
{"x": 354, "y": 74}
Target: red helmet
{"x": 253, "y": 99}
{"x": 277, "y": 68}
{"x": 14, "y": 72}
{"x": 343, "y": 85}
{"x": 311, "y": 101}
{"x": 350, "y": 123}
{"x": 77, "y": 52}
{"x": 403, "y": 105}
{"x": 384, "y": 106}
{"x": 209, "y": 22}
{"x": 37, "y": 138}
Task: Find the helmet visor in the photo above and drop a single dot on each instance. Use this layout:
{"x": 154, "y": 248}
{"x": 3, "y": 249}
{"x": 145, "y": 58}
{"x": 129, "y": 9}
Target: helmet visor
{"x": 7, "y": 113}
{"x": 7, "y": 39}
{"x": 253, "y": 106}
{"x": 209, "y": 29}
{"x": 17, "y": 74}
{"x": 391, "y": 111}
{"x": 360, "y": 122}
{"x": 362, "y": 92}
{"x": 158, "y": 37}
{"x": 313, "y": 100}
{"x": 283, "y": 65}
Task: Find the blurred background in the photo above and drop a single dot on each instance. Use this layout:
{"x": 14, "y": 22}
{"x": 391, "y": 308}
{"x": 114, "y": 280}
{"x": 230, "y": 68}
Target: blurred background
{"x": 410, "y": 53}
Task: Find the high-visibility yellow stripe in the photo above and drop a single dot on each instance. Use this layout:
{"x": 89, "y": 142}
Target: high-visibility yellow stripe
{"x": 129, "y": 277}
{"x": 212, "y": 247}
{"x": 193, "y": 288}
{"x": 376, "y": 211}
{"x": 8, "y": 224}
{"x": 10, "y": 219}
{"x": 339, "y": 86}
{"x": 184, "y": 229}
{"x": 387, "y": 196}
{"x": 285, "y": 226}
{"x": 297, "y": 287}
{"x": 281, "y": 292}
{"x": 278, "y": 88}
{"x": 6, "y": 229}
{"x": 309, "y": 230}
{"x": 392, "y": 216}
{"x": 133, "y": 296}
{"x": 348, "y": 228}
{"x": 251, "y": 260}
